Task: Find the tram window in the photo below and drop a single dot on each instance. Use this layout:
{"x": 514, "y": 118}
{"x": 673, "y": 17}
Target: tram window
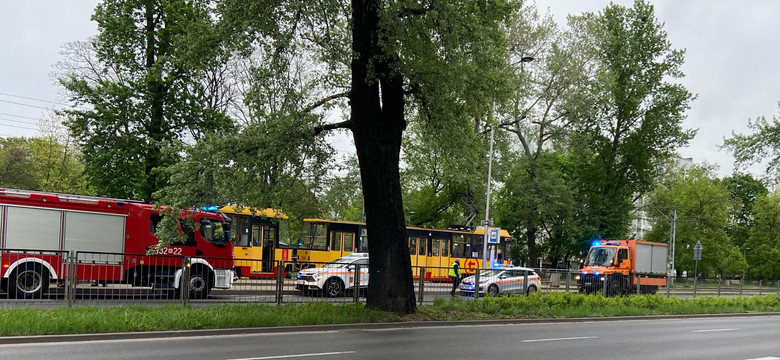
{"x": 255, "y": 236}
{"x": 422, "y": 242}
{"x": 435, "y": 249}
{"x": 243, "y": 239}
{"x": 269, "y": 235}
{"x": 348, "y": 237}
{"x": 320, "y": 240}
{"x": 412, "y": 246}
{"x": 335, "y": 241}
{"x": 284, "y": 234}
{"x": 445, "y": 247}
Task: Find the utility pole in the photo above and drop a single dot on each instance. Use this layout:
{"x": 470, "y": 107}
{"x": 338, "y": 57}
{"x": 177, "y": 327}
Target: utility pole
{"x": 487, "y": 223}
{"x": 674, "y": 230}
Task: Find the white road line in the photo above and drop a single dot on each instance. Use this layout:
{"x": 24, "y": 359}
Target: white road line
{"x": 561, "y": 339}
{"x": 713, "y": 330}
{"x": 765, "y": 358}
{"x": 297, "y": 355}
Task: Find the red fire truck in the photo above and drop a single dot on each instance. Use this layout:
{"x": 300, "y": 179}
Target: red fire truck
{"x": 42, "y": 235}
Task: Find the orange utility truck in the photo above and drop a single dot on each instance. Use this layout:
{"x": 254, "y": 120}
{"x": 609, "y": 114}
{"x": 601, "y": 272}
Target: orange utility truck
{"x": 616, "y": 267}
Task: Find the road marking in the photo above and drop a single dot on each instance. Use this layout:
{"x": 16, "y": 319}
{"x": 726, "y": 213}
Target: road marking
{"x": 561, "y": 339}
{"x": 297, "y": 355}
{"x": 713, "y": 330}
{"x": 766, "y": 358}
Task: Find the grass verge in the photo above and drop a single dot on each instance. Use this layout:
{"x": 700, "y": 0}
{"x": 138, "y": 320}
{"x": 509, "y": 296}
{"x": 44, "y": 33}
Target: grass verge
{"x": 29, "y": 321}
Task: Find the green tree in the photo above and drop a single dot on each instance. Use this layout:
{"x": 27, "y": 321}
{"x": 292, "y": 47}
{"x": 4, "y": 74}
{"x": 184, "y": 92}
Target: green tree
{"x": 551, "y": 199}
{"x": 703, "y": 203}
{"x": 342, "y": 194}
{"x": 536, "y": 115}
{"x": 445, "y": 173}
{"x": 763, "y": 258}
{"x": 41, "y": 163}
{"x": 745, "y": 190}
{"x": 386, "y": 58}
{"x": 147, "y": 91}
{"x": 762, "y": 144}
{"x": 632, "y": 114}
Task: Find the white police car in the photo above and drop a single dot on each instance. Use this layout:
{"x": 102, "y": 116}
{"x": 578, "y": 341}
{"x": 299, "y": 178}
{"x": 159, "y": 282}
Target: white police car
{"x": 501, "y": 280}
{"x": 335, "y": 277}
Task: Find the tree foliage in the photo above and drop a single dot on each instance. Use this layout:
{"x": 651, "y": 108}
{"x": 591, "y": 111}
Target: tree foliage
{"x": 537, "y": 117}
{"x": 764, "y": 242}
{"x": 41, "y": 163}
{"x": 763, "y": 144}
{"x": 388, "y": 58}
{"x": 632, "y": 114}
{"x": 745, "y": 191}
{"x": 143, "y": 91}
{"x": 703, "y": 205}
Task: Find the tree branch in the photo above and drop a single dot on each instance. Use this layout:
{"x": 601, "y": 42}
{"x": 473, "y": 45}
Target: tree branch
{"x": 323, "y": 101}
{"x": 327, "y": 127}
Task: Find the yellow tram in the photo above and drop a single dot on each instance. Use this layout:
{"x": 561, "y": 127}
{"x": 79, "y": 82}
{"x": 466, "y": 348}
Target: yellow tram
{"x": 260, "y": 240}
{"x": 435, "y": 249}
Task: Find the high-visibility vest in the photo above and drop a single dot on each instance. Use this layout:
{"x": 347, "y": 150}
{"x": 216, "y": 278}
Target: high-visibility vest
{"x": 452, "y": 270}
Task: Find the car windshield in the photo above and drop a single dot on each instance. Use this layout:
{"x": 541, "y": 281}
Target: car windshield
{"x": 339, "y": 263}
{"x": 599, "y": 256}
{"x": 489, "y": 273}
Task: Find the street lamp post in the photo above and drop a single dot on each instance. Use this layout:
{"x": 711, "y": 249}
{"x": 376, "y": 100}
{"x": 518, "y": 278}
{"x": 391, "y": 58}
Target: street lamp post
{"x": 487, "y": 223}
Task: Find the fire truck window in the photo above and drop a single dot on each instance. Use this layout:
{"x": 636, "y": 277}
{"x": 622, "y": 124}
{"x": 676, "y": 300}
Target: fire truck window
{"x": 622, "y": 255}
{"x": 154, "y": 221}
{"x": 187, "y": 227}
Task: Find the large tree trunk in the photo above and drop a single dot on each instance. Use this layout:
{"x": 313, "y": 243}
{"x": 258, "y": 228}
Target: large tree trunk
{"x": 378, "y": 123}
{"x": 156, "y": 98}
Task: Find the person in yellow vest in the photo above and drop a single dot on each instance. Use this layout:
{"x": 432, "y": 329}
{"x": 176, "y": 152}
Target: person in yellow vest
{"x": 454, "y": 275}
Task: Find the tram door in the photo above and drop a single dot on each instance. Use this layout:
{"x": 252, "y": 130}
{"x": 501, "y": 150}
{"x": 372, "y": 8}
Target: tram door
{"x": 439, "y": 259}
{"x": 417, "y": 257}
{"x": 342, "y": 243}
{"x": 255, "y": 250}
{"x": 268, "y": 239}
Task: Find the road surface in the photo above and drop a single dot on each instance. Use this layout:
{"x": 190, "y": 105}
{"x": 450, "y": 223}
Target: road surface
{"x": 729, "y": 338}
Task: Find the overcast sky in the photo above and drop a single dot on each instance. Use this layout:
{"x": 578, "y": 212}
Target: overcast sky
{"x": 733, "y": 52}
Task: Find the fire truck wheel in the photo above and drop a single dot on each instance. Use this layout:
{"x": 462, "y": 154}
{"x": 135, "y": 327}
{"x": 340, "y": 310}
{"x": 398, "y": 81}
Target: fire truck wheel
{"x": 200, "y": 283}
{"x": 28, "y": 281}
{"x": 493, "y": 290}
{"x": 334, "y": 287}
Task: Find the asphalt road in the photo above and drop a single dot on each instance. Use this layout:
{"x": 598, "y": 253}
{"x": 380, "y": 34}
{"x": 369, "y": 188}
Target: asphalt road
{"x": 730, "y": 338}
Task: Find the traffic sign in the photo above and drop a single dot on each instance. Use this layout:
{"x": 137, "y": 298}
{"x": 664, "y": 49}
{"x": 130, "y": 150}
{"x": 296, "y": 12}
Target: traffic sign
{"x": 493, "y": 236}
{"x": 697, "y": 250}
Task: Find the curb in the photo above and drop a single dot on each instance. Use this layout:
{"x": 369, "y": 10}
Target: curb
{"x": 38, "y": 339}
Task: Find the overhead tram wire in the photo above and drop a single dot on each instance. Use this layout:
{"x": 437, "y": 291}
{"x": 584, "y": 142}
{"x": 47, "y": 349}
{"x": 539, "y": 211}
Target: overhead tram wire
{"x": 28, "y": 105}
{"x": 33, "y": 99}
{"x": 18, "y": 122}
{"x": 20, "y": 116}
{"x": 39, "y": 100}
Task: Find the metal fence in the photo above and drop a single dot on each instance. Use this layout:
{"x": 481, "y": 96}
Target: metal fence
{"x": 92, "y": 278}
